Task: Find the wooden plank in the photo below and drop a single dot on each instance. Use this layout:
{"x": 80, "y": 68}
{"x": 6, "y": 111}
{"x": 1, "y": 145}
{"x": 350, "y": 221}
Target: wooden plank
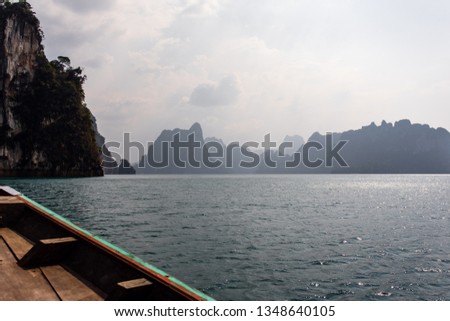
{"x": 47, "y": 252}
{"x": 7, "y": 200}
{"x": 21, "y": 285}
{"x": 130, "y": 290}
{"x": 133, "y": 284}
{"x": 61, "y": 241}
{"x": 67, "y": 286}
{"x": 16, "y": 243}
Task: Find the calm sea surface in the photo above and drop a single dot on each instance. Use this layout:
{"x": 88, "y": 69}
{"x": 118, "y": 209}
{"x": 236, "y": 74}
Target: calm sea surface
{"x": 311, "y": 237}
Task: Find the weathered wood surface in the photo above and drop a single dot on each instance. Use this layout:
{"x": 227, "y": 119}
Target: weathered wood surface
{"x": 129, "y": 290}
{"x": 47, "y": 252}
{"x": 21, "y": 285}
{"x": 50, "y": 283}
{"x": 94, "y": 262}
{"x": 68, "y": 287}
{"x": 10, "y": 200}
{"x": 16, "y": 243}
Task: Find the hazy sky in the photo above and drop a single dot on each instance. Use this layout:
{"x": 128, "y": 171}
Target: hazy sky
{"x": 246, "y": 68}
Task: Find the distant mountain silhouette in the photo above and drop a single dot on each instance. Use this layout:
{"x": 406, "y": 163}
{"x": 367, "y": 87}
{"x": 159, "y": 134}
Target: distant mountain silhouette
{"x": 399, "y": 148}
{"x": 297, "y": 142}
{"x": 161, "y": 153}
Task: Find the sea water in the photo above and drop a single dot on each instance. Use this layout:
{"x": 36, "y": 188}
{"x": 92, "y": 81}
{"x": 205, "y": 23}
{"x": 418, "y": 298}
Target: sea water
{"x": 293, "y": 237}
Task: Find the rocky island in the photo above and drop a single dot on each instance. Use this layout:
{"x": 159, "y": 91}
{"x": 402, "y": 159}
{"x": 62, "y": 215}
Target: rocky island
{"x": 46, "y": 129}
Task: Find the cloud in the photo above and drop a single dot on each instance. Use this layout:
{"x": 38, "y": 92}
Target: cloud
{"x": 98, "y": 61}
{"x": 201, "y": 8}
{"x": 85, "y": 6}
{"x": 225, "y": 92}
{"x": 300, "y": 67}
{"x": 150, "y": 61}
{"x": 78, "y": 36}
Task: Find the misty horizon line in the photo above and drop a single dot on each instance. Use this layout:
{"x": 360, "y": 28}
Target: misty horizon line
{"x": 208, "y": 154}
{"x": 286, "y": 136}
{"x": 291, "y": 144}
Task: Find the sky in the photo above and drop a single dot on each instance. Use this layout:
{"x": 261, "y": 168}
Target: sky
{"x": 243, "y": 69}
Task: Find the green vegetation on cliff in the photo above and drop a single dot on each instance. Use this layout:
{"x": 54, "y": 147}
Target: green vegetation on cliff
{"x": 58, "y": 122}
{"x": 23, "y": 12}
{"x": 46, "y": 128}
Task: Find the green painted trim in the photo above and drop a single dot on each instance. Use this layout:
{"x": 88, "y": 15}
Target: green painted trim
{"x": 118, "y": 249}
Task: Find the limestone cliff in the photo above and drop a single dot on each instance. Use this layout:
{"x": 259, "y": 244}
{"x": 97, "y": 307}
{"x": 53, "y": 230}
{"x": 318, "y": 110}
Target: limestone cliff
{"x": 45, "y": 126}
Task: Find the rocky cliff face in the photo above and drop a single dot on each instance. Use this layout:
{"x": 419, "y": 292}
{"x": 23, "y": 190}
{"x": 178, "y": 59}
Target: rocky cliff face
{"x": 33, "y": 109}
{"x": 20, "y": 45}
{"x": 109, "y": 164}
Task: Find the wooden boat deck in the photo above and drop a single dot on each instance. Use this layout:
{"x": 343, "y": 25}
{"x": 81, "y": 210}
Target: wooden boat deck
{"x": 48, "y": 283}
{"x": 43, "y": 256}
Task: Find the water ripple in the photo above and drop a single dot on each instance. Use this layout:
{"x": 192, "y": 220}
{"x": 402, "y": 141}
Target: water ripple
{"x": 343, "y": 237}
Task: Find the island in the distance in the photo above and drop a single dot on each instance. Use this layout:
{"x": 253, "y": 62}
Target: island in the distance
{"x": 46, "y": 128}
{"x": 389, "y": 148}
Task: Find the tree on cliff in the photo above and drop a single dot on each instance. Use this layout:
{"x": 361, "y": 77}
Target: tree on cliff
{"x": 46, "y": 127}
{"x": 54, "y": 110}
